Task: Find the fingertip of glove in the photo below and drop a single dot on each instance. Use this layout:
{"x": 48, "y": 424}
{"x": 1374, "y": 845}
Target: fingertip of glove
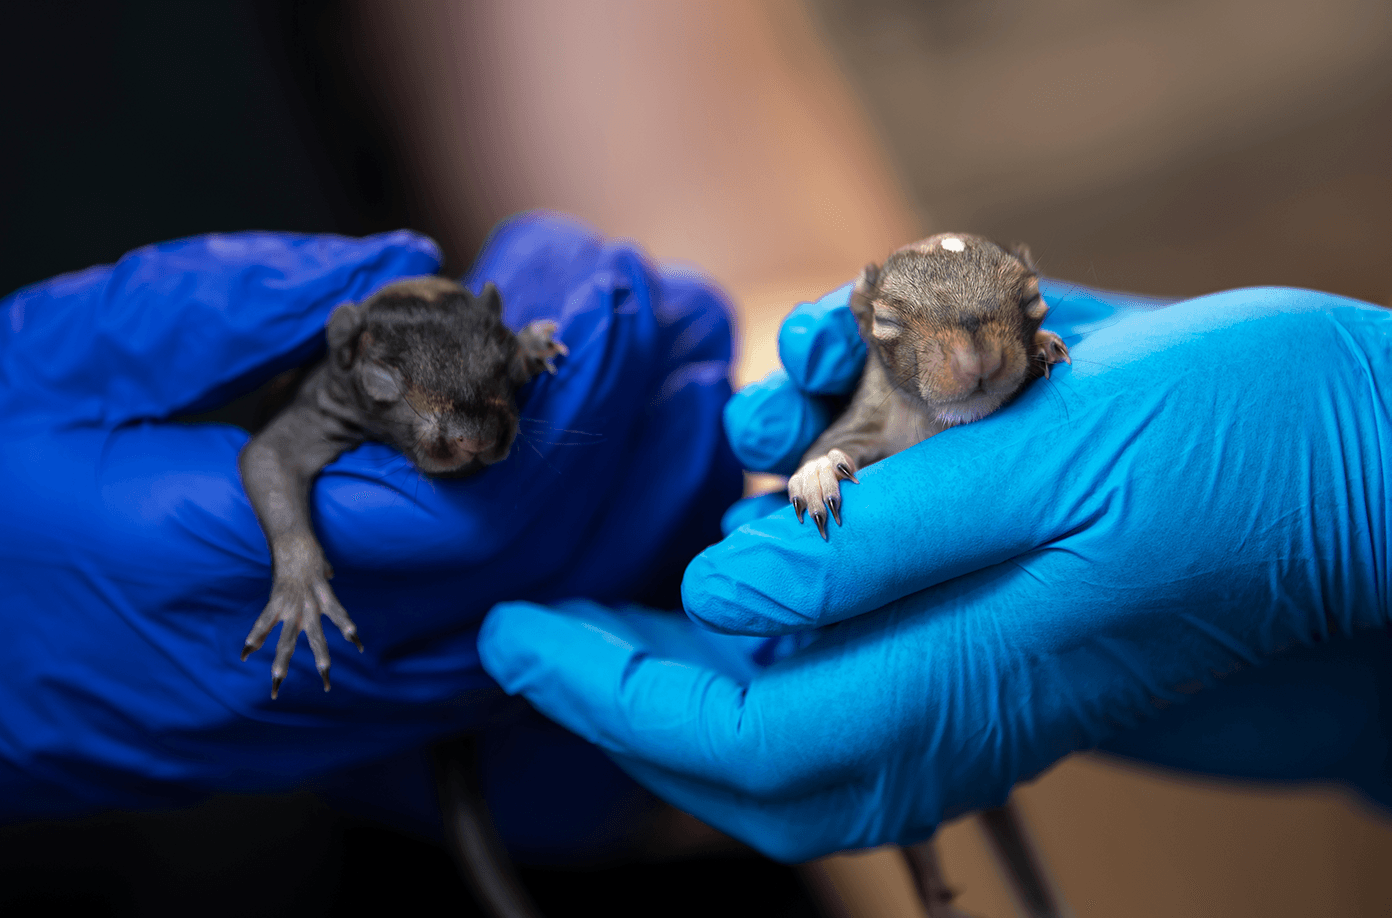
{"x": 524, "y": 644}
{"x": 405, "y": 239}
{"x": 709, "y": 598}
{"x": 820, "y": 346}
{"x": 770, "y": 423}
{"x": 505, "y": 647}
{"x": 698, "y": 588}
{"x": 416, "y": 252}
{"x": 749, "y": 583}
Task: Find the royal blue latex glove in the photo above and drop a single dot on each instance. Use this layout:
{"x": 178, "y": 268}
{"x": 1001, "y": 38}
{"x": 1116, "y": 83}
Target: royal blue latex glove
{"x": 132, "y": 564}
{"x": 1201, "y": 498}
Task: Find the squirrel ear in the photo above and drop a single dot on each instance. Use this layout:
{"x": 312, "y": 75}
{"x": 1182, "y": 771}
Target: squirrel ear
{"x": 863, "y": 299}
{"x": 342, "y": 330}
{"x": 491, "y": 299}
{"x": 1035, "y": 307}
{"x": 1022, "y": 252}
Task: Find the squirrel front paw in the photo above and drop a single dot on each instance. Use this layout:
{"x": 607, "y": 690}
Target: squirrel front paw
{"x": 537, "y": 341}
{"x": 1049, "y": 349}
{"x": 816, "y": 487}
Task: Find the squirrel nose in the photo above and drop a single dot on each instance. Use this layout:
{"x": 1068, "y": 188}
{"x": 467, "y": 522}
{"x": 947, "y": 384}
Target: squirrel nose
{"x": 466, "y": 448}
{"x": 972, "y": 365}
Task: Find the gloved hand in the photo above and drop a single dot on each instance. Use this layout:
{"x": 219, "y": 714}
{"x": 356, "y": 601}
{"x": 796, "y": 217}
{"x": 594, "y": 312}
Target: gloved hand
{"x": 1200, "y": 500}
{"x": 132, "y": 564}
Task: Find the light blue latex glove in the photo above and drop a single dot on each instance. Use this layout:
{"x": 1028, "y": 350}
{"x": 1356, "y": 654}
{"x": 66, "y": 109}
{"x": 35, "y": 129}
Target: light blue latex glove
{"x": 1201, "y": 498}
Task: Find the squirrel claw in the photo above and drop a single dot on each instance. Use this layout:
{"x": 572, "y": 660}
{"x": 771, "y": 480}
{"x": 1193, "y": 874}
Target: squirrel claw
{"x": 537, "y": 343}
{"x": 1050, "y": 349}
{"x": 816, "y": 488}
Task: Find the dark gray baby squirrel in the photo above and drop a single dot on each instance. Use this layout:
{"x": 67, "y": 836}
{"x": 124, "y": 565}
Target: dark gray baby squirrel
{"x": 951, "y": 326}
{"x": 423, "y": 365}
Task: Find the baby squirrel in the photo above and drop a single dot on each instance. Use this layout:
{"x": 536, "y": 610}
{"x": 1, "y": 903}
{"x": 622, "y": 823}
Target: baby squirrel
{"x": 422, "y": 365}
{"x": 951, "y": 329}
{"x": 951, "y": 326}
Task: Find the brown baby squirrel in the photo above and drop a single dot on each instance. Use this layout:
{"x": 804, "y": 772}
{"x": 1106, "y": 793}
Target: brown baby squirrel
{"x": 951, "y": 327}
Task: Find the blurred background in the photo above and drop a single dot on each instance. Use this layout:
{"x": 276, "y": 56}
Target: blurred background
{"x": 1166, "y": 148}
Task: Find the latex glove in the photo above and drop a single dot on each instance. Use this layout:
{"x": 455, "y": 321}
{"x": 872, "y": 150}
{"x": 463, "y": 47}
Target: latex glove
{"x": 1205, "y": 488}
{"x": 132, "y": 564}
{"x": 1312, "y": 714}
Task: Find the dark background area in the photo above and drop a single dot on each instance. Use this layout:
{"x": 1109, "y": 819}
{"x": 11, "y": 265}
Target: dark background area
{"x": 293, "y": 855}
{"x": 134, "y": 122}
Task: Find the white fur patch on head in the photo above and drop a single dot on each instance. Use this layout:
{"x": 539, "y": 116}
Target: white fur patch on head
{"x": 953, "y": 244}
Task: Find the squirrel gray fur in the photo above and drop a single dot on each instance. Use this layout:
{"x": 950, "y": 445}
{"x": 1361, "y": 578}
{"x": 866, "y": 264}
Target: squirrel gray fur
{"x": 422, "y": 365}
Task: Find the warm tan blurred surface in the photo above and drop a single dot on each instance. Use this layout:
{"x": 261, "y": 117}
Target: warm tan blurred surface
{"x": 1168, "y": 148}
{"x": 1122, "y": 842}
{"x": 1158, "y": 147}
{"x": 1136, "y": 843}
{"x": 715, "y": 133}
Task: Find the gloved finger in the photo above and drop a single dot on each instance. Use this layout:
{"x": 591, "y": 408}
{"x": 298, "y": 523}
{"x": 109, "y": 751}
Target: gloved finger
{"x": 186, "y": 325}
{"x": 772, "y": 422}
{"x": 820, "y": 346}
{"x": 641, "y": 685}
{"x": 603, "y": 677}
{"x": 575, "y": 662}
{"x": 1062, "y": 460}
